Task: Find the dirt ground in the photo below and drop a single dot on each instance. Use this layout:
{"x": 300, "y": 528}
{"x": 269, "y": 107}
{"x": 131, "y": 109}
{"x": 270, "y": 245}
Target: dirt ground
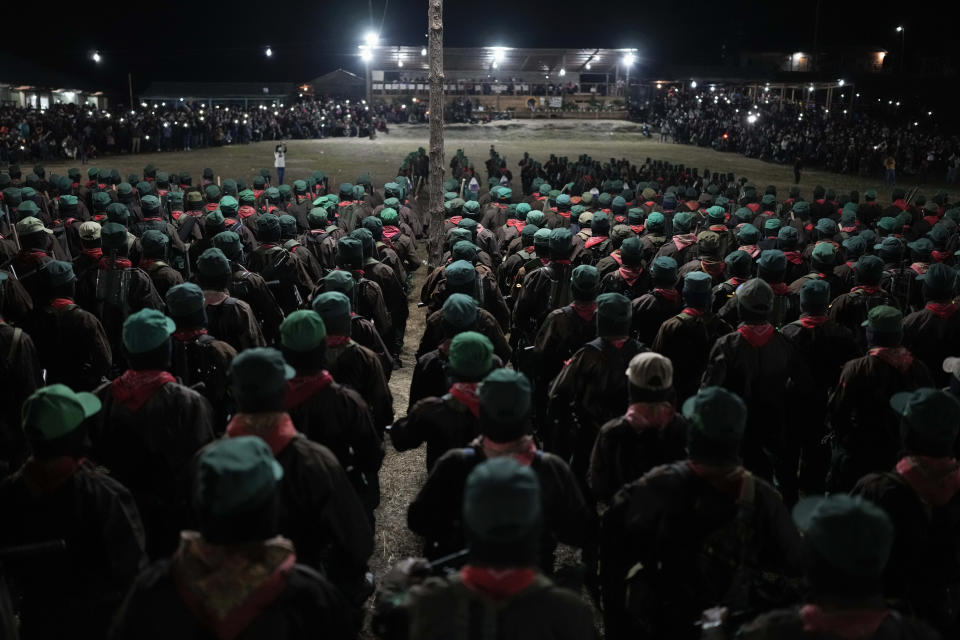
{"x": 343, "y": 159}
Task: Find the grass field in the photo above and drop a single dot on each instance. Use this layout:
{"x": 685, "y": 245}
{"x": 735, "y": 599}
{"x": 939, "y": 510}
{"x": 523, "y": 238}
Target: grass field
{"x": 343, "y": 159}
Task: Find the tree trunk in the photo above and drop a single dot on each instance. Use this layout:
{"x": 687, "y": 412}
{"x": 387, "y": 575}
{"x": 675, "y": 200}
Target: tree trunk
{"x": 435, "y": 186}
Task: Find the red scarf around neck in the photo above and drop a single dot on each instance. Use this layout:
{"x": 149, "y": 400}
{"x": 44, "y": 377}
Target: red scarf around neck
{"x": 941, "y": 309}
{"x": 868, "y": 289}
{"x": 466, "y": 394}
{"x": 106, "y": 264}
{"x": 496, "y": 584}
{"x": 189, "y": 334}
{"x": 811, "y": 322}
{"x": 671, "y": 295}
{"x": 779, "y": 288}
{"x": 134, "y": 388}
{"x": 794, "y": 257}
{"x": 274, "y": 428}
{"x": 756, "y": 334}
{"x": 684, "y": 240}
{"x": 585, "y": 310}
{"x": 630, "y": 274}
{"x": 302, "y": 388}
{"x": 650, "y": 415}
{"x": 48, "y": 474}
{"x": 897, "y": 357}
{"x": 853, "y": 624}
{"x": 60, "y": 303}
{"x": 594, "y": 241}
{"x": 935, "y": 480}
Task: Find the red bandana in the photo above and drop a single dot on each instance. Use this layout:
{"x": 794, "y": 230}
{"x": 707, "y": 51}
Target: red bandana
{"x": 869, "y": 289}
{"x": 935, "y": 480}
{"x": 134, "y": 388}
{"x": 60, "y": 303}
{"x": 713, "y": 267}
{"x": 630, "y": 274}
{"x": 276, "y": 429}
{"x": 756, "y": 334}
{"x": 726, "y": 480}
{"x": 523, "y": 450}
{"x": 941, "y": 309}
{"x": 650, "y": 415}
{"x": 616, "y": 343}
{"x": 693, "y": 313}
{"x": 496, "y": 584}
{"x": 848, "y": 625}
{"x": 794, "y": 257}
{"x": 594, "y": 241}
{"x": 336, "y": 341}
{"x": 585, "y": 310}
{"x": 390, "y": 231}
{"x": 301, "y": 388}
{"x": 940, "y": 256}
{"x": 897, "y": 357}
{"x": 810, "y": 322}
{"x": 563, "y": 214}
{"x": 106, "y": 264}
{"x": 779, "y": 288}
{"x": 466, "y": 394}
{"x": 637, "y": 228}
{"x": 671, "y": 295}
{"x": 455, "y": 220}
{"x": 46, "y": 475}
{"x": 751, "y": 249}
{"x": 94, "y": 254}
{"x": 189, "y": 334}
{"x": 684, "y": 240}
{"x": 516, "y": 224}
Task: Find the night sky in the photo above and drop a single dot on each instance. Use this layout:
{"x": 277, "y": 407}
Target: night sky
{"x": 226, "y": 41}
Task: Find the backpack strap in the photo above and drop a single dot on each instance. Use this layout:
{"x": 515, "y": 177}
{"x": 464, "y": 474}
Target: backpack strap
{"x": 14, "y": 344}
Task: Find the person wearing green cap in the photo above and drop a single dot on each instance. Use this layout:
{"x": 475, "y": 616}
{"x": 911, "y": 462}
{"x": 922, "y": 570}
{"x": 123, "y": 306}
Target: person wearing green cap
{"x": 391, "y": 286}
{"x": 563, "y": 332}
{"x": 397, "y": 237}
{"x": 116, "y": 289}
{"x": 37, "y": 247}
{"x": 823, "y": 347}
{"x": 847, "y": 542}
{"x": 291, "y": 243}
{"x": 153, "y": 259}
{"x": 932, "y": 332}
{"x": 463, "y": 276}
{"x": 651, "y": 309}
{"x": 651, "y": 432}
{"x": 321, "y": 237}
{"x": 675, "y": 559}
{"x": 231, "y": 318}
{"x": 707, "y": 258}
{"x": 682, "y": 247}
{"x": 327, "y": 412}
{"x": 925, "y": 480}
{"x": 58, "y": 495}
{"x": 543, "y": 290}
{"x": 352, "y": 364}
{"x": 654, "y": 236}
{"x": 865, "y": 435}
{"x": 196, "y": 356}
{"x": 150, "y": 427}
{"x": 505, "y": 433}
{"x": 850, "y": 309}
{"x": 71, "y": 342}
{"x": 686, "y": 337}
{"x": 504, "y": 516}
{"x": 350, "y": 209}
{"x": 590, "y": 389}
{"x": 286, "y": 272}
{"x": 450, "y": 419}
{"x": 366, "y": 297}
{"x": 459, "y": 313}
{"x": 598, "y": 245}
{"x": 771, "y": 268}
{"x": 240, "y": 553}
{"x": 823, "y": 260}
{"x": 755, "y": 362}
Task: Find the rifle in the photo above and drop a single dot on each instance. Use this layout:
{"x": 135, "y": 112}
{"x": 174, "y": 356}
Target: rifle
{"x": 448, "y": 564}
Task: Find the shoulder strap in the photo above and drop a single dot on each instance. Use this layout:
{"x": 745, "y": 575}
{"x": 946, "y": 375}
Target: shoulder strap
{"x": 14, "y": 344}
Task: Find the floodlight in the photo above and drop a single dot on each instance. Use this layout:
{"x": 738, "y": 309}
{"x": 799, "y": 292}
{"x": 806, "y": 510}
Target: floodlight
{"x": 628, "y": 59}
{"x": 693, "y": 84}
{"x": 371, "y": 38}
{"x": 423, "y": 51}
{"x": 269, "y": 52}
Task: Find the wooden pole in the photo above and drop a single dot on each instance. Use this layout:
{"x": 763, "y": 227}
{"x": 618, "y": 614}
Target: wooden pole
{"x": 435, "y": 192}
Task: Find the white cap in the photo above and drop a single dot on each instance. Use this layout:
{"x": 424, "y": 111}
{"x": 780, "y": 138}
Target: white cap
{"x": 650, "y": 371}
{"x": 952, "y": 365}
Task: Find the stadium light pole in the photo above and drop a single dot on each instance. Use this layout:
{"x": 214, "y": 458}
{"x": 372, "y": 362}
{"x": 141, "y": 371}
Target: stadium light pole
{"x": 628, "y": 60}
{"x": 435, "y": 45}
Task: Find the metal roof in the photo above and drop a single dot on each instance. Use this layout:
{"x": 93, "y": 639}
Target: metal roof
{"x": 503, "y": 59}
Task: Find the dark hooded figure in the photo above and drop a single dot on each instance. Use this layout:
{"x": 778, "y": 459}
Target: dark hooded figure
{"x": 921, "y": 498}
{"x": 236, "y": 576}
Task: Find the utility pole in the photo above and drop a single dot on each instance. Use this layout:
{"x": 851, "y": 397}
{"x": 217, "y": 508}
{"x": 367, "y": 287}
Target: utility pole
{"x": 130, "y": 87}
{"x": 435, "y": 192}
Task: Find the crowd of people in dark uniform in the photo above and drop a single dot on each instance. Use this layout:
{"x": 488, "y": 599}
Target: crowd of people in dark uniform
{"x": 664, "y": 369}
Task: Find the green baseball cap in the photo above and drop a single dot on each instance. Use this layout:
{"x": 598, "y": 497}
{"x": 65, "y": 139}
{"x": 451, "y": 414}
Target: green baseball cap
{"x": 235, "y": 474}
{"x": 849, "y": 533}
{"x": 56, "y": 273}
{"x": 470, "y": 355}
{"x": 146, "y": 330}
{"x": 54, "y": 411}
{"x": 824, "y": 253}
{"x": 933, "y": 414}
{"x": 884, "y": 319}
{"x": 755, "y": 296}
{"x": 748, "y": 234}
{"x": 154, "y": 243}
{"x": 113, "y": 236}
{"x": 334, "y": 308}
{"x": 815, "y": 293}
{"x": 614, "y": 313}
{"x": 213, "y": 263}
{"x": 185, "y": 300}
{"x": 772, "y": 261}
{"x": 939, "y": 278}
{"x": 303, "y": 330}
{"x": 339, "y": 280}
{"x": 584, "y": 282}
{"x": 460, "y": 273}
{"x": 501, "y": 502}
{"x": 460, "y": 310}
{"x": 229, "y": 243}
{"x": 505, "y": 403}
{"x": 716, "y": 414}
{"x": 259, "y": 372}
